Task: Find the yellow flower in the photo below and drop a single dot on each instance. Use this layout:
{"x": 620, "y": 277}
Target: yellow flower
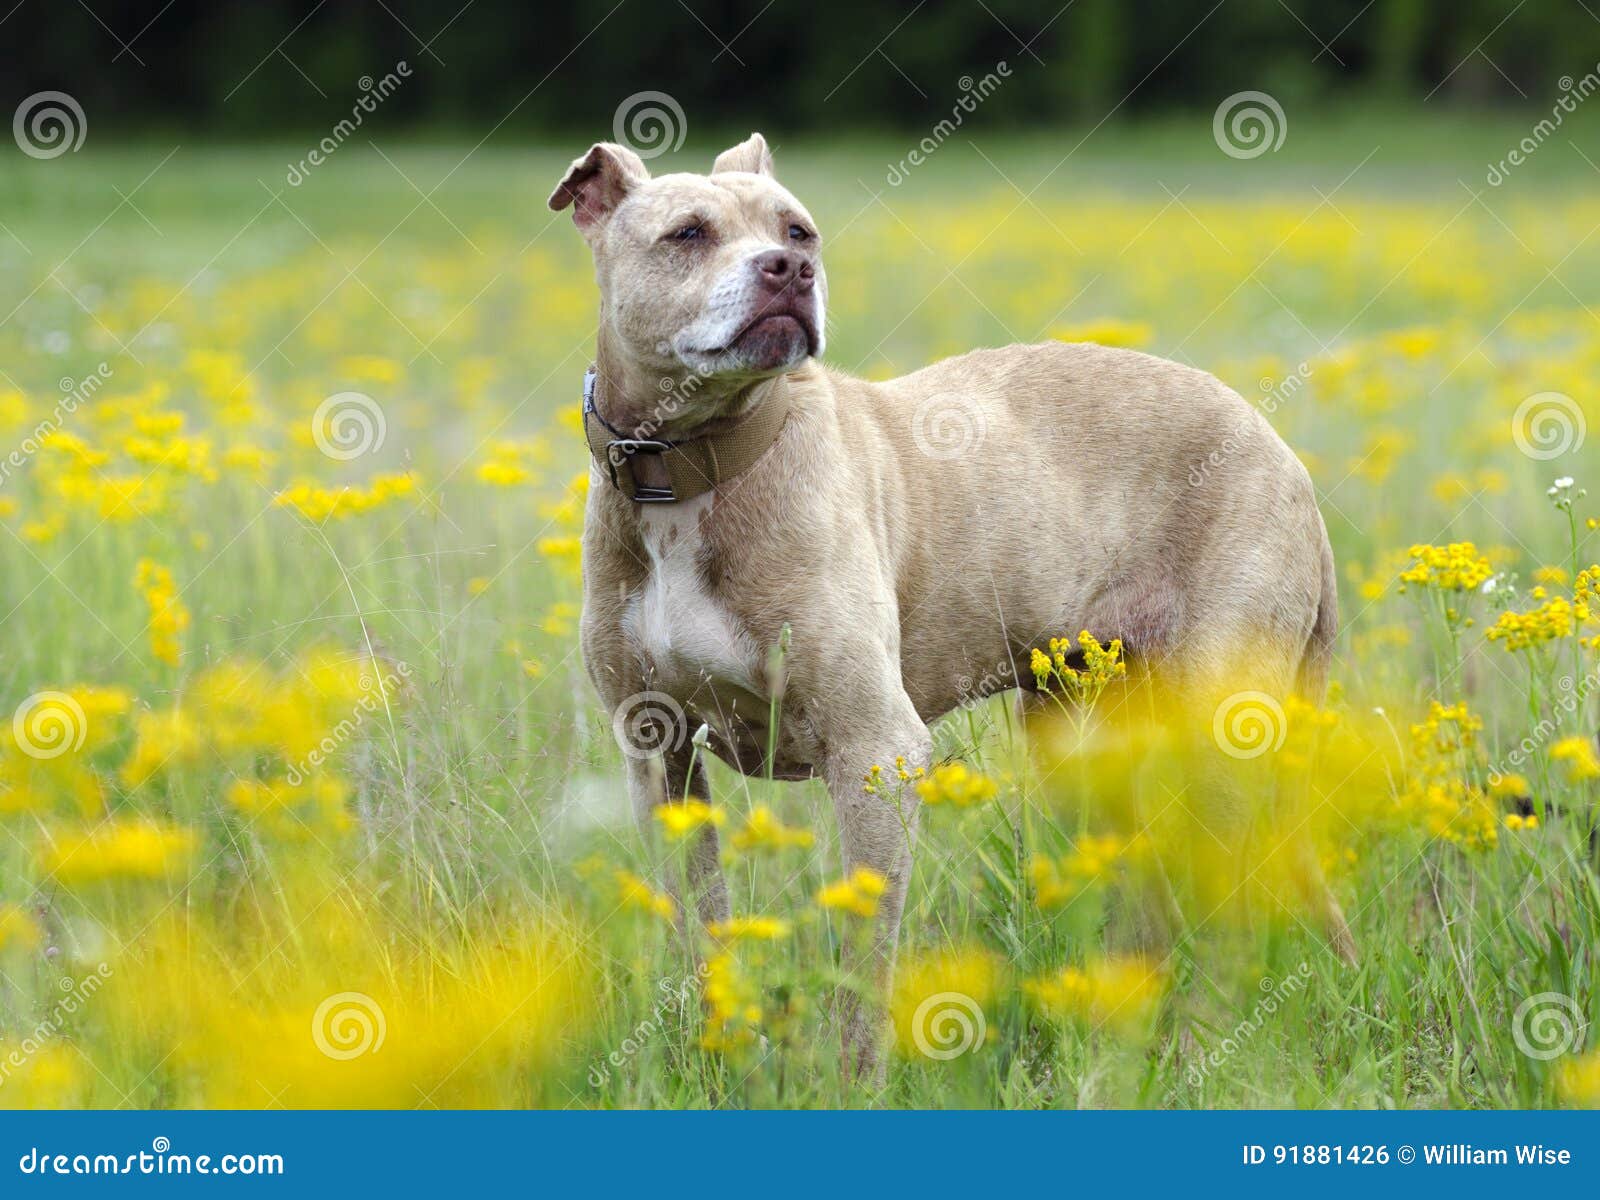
{"x": 1578, "y": 1081}
{"x": 1081, "y": 687}
{"x": 941, "y": 1002}
{"x": 1579, "y": 756}
{"x": 1092, "y": 861}
{"x": 18, "y": 929}
{"x": 1130, "y": 334}
{"x": 137, "y": 848}
{"x": 858, "y": 893}
{"x": 679, "y": 819}
{"x": 755, "y": 929}
{"x": 1516, "y": 821}
{"x": 762, "y": 830}
{"x": 957, "y": 785}
{"x": 168, "y": 617}
{"x": 1457, "y": 567}
{"x": 634, "y": 892}
{"x": 1117, "y": 994}
{"x": 733, "y": 1004}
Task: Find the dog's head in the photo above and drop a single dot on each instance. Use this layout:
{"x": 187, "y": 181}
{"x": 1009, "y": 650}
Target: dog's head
{"x": 714, "y": 276}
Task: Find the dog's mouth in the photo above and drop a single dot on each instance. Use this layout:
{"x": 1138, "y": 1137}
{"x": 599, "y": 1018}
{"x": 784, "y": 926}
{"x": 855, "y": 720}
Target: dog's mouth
{"x": 781, "y": 331}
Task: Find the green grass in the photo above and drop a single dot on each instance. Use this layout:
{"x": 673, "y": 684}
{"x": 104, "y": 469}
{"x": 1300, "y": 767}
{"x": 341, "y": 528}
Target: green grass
{"x": 492, "y": 787}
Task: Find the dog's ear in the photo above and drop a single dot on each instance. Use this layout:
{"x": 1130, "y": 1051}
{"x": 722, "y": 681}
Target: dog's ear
{"x": 597, "y": 182}
{"x": 749, "y": 155}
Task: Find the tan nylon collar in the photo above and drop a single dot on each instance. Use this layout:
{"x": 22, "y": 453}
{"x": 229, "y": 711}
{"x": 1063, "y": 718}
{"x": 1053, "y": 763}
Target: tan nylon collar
{"x": 694, "y": 466}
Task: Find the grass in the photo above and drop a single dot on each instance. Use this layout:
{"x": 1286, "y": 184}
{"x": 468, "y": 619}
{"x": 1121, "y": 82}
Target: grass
{"x": 446, "y": 882}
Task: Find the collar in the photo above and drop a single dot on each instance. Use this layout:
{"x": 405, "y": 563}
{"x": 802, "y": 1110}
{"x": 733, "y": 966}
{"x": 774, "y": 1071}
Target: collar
{"x": 693, "y": 466}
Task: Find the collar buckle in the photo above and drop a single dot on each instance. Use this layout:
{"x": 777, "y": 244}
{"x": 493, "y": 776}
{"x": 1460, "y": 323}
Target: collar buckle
{"x": 621, "y": 452}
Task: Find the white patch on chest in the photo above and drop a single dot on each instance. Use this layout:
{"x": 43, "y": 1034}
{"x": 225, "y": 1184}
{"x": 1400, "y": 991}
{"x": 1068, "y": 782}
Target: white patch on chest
{"x": 674, "y": 620}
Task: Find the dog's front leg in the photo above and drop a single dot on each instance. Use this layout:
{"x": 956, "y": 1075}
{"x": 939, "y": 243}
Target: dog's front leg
{"x": 669, "y": 779}
{"x": 877, "y": 830}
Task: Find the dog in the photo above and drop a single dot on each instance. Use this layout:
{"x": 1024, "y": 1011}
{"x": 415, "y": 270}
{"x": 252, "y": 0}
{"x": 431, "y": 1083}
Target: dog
{"x": 902, "y": 538}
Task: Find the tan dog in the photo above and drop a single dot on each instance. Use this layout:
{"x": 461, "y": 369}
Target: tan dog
{"x": 914, "y": 535}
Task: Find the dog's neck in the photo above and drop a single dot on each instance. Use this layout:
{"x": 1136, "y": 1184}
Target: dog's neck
{"x": 695, "y": 407}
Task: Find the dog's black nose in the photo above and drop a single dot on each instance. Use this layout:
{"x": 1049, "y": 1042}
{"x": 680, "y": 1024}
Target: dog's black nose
{"x": 785, "y": 268}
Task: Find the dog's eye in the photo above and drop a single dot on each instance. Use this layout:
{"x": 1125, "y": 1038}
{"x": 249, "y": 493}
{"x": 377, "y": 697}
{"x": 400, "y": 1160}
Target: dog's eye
{"x": 690, "y": 232}
{"x": 799, "y": 233}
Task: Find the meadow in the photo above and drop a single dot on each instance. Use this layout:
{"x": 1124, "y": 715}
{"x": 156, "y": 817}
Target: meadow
{"x": 307, "y": 801}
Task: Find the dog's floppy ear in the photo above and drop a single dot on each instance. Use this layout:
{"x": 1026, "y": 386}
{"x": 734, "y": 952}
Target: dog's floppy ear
{"x": 597, "y": 182}
{"x": 749, "y": 155}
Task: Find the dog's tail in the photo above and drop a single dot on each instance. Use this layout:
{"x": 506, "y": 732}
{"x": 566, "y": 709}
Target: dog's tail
{"x": 1317, "y": 657}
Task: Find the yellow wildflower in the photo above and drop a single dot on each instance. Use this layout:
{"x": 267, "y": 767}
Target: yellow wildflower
{"x": 679, "y": 819}
{"x": 858, "y": 893}
{"x": 957, "y": 785}
{"x": 139, "y": 848}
